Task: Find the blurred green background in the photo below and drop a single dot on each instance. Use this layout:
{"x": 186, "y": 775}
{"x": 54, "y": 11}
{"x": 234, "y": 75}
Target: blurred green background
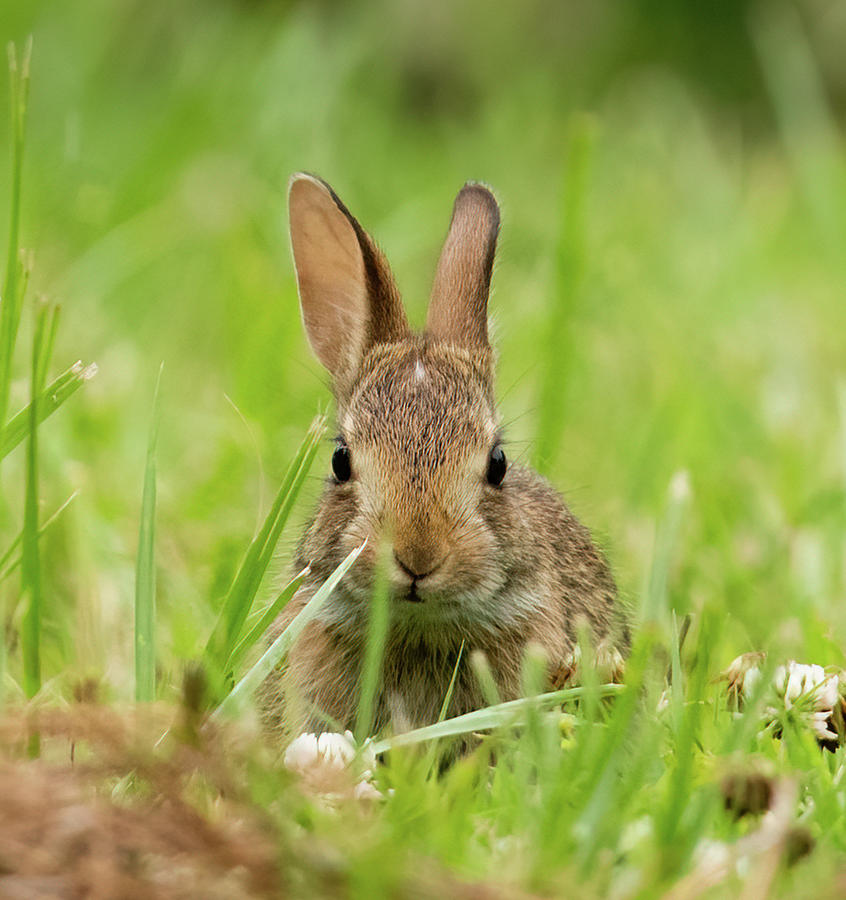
{"x": 669, "y": 292}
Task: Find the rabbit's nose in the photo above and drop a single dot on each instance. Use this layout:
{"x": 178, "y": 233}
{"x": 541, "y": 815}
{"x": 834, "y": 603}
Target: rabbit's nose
{"x": 418, "y": 566}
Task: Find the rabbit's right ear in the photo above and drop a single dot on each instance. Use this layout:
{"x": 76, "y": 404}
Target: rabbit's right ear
{"x": 458, "y": 309}
{"x": 347, "y": 294}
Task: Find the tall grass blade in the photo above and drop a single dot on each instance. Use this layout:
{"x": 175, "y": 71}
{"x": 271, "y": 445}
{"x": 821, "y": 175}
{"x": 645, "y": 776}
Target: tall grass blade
{"x": 610, "y": 749}
{"x": 52, "y": 397}
{"x": 30, "y": 562}
{"x": 11, "y": 300}
{"x": 570, "y": 267}
{"x": 433, "y": 749}
{"x": 266, "y": 620}
{"x": 655, "y": 597}
{"x": 451, "y": 688}
{"x": 512, "y": 713}
{"x": 485, "y": 677}
{"x": 274, "y": 654}
{"x": 677, "y": 685}
{"x": 8, "y": 564}
{"x": 241, "y": 595}
{"x": 374, "y": 652}
{"x": 145, "y": 570}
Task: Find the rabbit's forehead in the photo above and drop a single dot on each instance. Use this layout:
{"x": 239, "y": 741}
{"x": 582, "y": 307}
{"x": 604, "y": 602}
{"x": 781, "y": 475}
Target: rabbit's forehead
{"x": 414, "y": 400}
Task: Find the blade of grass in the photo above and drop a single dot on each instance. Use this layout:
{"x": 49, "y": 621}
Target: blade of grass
{"x": 448, "y": 696}
{"x": 12, "y": 290}
{"x": 655, "y": 596}
{"x": 52, "y": 327}
{"x": 266, "y": 619}
{"x": 511, "y": 713}
{"x": 145, "y": 571}
{"x": 53, "y": 396}
{"x": 485, "y": 677}
{"x": 432, "y": 760}
{"x": 11, "y": 302}
{"x": 242, "y": 593}
{"x": 274, "y": 654}
{"x": 7, "y": 567}
{"x": 681, "y": 809}
{"x": 608, "y": 752}
{"x": 583, "y": 754}
{"x": 30, "y": 561}
{"x": 676, "y": 676}
{"x": 570, "y": 266}
{"x": 374, "y": 651}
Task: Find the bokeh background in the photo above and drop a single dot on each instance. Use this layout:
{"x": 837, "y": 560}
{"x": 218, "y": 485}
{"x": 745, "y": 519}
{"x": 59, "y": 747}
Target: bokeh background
{"x": 669, "y": 293}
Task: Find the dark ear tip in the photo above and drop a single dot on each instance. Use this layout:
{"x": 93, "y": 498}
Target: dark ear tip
{"x": 480, "y": 196}
{"x": 479, "y": 187}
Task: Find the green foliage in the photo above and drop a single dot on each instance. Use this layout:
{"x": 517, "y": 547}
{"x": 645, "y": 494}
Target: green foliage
{"x": 14, "y": 281}
{"x": 31, "y": 588}
{"x": 225, "y": 639}
{"x": 145, "y": 569}
{"x": 52, "y": 397}
{"x": 243, "y": 693}
{"x": 267, "y": 617}
{"x": 374, "y": 650}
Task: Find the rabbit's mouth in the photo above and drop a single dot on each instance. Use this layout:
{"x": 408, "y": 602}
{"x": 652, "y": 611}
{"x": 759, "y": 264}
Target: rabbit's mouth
{"x": 411, "y": 595}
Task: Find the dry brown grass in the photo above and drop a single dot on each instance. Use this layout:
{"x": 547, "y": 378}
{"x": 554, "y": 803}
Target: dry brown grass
{"x": 131, "y": 805}
{"x": 104, "y": 814}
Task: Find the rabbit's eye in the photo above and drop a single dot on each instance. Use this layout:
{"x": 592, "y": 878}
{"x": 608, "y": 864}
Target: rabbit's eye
{"x": 341, "y": 462}
{"x": 497, "y": 465}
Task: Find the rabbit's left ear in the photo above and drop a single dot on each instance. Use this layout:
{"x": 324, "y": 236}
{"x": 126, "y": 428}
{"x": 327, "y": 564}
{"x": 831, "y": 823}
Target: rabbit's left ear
{"x": 458, "y": 309}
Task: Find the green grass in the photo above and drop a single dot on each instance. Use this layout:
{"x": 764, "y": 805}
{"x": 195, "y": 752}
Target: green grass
{"x": 226, "y": 639}
{"x": 14, "y": 280}
{"x": 668, "y": 298}
{"x": 44, "y": 333}
{"x": 374, "y": 650}
{"x": 145, "y": 569}
{"x": 242, "y": 694}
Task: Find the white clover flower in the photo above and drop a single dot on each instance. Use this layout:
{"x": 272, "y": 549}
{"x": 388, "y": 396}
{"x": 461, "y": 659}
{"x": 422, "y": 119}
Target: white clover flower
{"x": 336, "y": 749}
{"x": 818, "y": 694}
{"x": 327, "y": 761}
{"x": 821, "y": 724}
{"x": 364, "y": 790}
{"x": 329, "y": 750}
{"x": 796, "y": 680}
{"x": 750, "y": 681}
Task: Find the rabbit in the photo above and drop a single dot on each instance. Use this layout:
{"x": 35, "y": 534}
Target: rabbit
{"x": 482, "y": 552}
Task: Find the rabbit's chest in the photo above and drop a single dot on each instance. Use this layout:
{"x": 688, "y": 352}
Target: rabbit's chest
{"x": 416, "y": 683}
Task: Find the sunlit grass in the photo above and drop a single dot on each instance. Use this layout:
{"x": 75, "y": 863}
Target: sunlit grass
{"x": 226, "y": 638}
{"x": 145, "y": 568}
{"x": 14, "y": 280}
{"x": 243, "y": 694}
{"x": 44, "y": 333}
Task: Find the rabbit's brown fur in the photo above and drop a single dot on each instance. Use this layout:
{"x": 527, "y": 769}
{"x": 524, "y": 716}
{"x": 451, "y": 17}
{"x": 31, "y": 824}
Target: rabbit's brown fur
{"x": 499, "y": 567}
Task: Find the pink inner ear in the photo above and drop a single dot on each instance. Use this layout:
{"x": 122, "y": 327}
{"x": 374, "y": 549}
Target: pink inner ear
{"x": 330, "y": 274}
{"x": 347, "y": 293}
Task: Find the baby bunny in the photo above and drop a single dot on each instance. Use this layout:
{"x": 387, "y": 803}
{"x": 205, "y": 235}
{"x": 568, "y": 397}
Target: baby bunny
{"x": 481, "y": 551}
